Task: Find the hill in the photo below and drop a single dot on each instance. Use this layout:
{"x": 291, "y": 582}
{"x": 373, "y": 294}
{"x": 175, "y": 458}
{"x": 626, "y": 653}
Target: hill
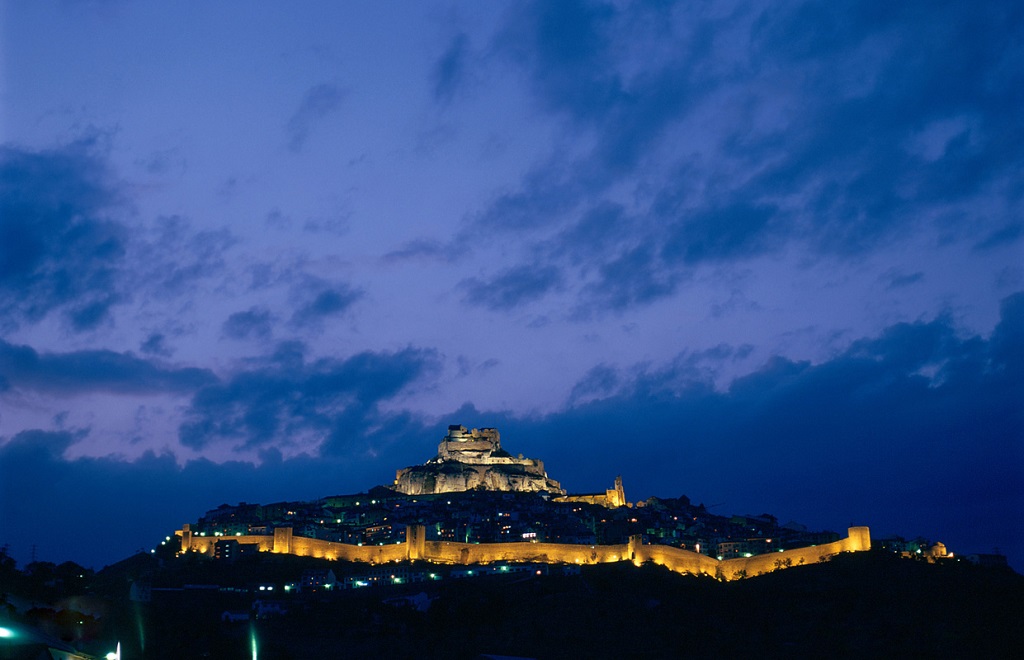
{"x": 863, "y": 604}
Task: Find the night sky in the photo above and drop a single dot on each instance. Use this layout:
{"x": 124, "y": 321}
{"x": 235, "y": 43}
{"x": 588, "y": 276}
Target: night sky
{"x": 767, "y": 255}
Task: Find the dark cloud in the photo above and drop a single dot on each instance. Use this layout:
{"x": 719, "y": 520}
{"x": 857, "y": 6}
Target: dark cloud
{"x": 720, "y": 234}
{"x": 546, "y": 193}
{"x": 1007, "y": 347}
{"x": 318, "y": 103}
{"x": 290, "y": 397}
{"x": 839, "y": 127}
{"x": 631, "y": 278}
{"x": 597, "y": 232}
{"x": 450, "y": 70}
{"x": 79, "y": 372}
{"x": 145, "y": 500}
{"x": 58, "y": 250}
{"x": 156, "y": 344}
{"x": 422, "y": 248}
{"x": 567, "y": 48}
{"x": 512, "y": 288}
{"x": 895, "y": 279}
{"x": 601, "y": 381}
{"x": 179, "y": 257}
{"x": 320, "y": 301}
{"x": 1006, "y": 235}
{"x": 254, "y": 323}
{"x": 918, "y": 431}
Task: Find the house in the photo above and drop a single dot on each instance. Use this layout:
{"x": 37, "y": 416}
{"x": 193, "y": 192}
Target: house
{"x": 317, "y": 579}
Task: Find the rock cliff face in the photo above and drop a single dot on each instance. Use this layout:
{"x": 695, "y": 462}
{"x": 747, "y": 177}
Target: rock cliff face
{"x": 474, "y": 459}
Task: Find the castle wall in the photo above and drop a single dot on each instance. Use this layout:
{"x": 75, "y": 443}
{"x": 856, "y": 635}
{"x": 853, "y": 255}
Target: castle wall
{"x": 677, "y": 559}
{"x": 858, "y": 539}
{"x": 447, "y": 552}
{"x": 205, "y": 544}
{"x": 373, "y": 554}
{"x": 458, "y": 446}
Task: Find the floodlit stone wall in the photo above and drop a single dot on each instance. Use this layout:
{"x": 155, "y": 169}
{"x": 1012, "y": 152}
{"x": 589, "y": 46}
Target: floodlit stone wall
{"x": 447, "y": 552}
{"x": 205, "y": 544}
{"x": 858, "y": 539}
{"x": 677, "y": 559}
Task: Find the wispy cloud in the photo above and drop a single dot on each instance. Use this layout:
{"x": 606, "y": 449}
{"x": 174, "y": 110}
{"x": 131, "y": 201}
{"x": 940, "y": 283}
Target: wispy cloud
{"x": 450, "y": 69}
{"x": 878, "y": 136}
{"x": 319, "y": 102}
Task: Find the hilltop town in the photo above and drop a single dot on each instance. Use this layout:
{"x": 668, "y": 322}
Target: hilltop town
{"x": 510, "y": 563}
{"x": 476, "y": 503}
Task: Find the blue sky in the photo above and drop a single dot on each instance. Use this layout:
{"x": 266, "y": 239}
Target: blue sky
{"x": 769, "y": 255}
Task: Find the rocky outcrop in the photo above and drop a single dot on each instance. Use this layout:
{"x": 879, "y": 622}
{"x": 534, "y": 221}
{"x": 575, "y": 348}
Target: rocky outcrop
{"x": 471, "y": 459}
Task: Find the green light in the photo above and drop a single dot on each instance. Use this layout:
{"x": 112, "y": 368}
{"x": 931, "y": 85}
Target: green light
{"x": 6, "y": 633}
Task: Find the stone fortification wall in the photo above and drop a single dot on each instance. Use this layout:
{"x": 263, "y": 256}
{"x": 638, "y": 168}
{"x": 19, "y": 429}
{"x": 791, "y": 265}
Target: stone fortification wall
{"x": 205, "y": 544}
{"x": 858, "y": 539}
{"x": 373, "y": 554}
{"x": 676, "y": 559}
{"x": 283, "y": 542}
{"x": 447, "y": 552}
{"x": 452, "y": 448}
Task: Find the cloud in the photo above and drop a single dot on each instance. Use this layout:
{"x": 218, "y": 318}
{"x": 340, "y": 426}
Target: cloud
{"x": 255, "y": 323}
{"x": 546, "y": 193}
{"x": 599, "y": 231}
{"x": 143, "y": 501}
{"x": 58, "y": 250}
{"x": 176, "y": 257}
{"x": 720, "y": 234}
{"x": 421, "y": 248}
{"x": 917, "y": 430}
{"x": 512, "y": 287}
{"x": 450, "y": 70}
{"x": 567, "y": 48}
{"x": 319, "y": 102}
{"x": 1006, "y": 235}
{"x": 896, "y": 279}
{"x": 79, "y": 372}
{"x": 320, "y": 300}
{"x": 156, "y": 344}
{"x": 289, "y": 399}
{"x": 836, "y": 129}
{"x": 631, "y": 278}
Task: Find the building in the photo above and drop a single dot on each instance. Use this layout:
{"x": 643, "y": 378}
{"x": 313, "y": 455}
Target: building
{"x": 474, "y": 459}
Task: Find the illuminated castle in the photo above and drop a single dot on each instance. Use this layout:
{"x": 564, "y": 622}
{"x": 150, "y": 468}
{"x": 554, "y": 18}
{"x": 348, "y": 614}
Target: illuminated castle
{"x": 474, "y": 459}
